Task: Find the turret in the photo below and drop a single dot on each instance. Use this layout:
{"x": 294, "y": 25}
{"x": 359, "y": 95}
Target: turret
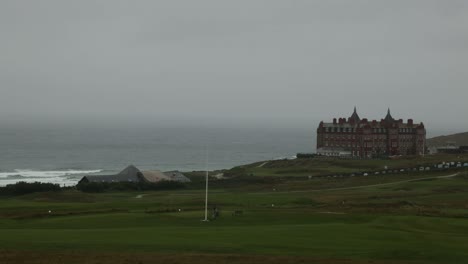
{"x": 354, "y": 119}
{"x": 388, "y": 118}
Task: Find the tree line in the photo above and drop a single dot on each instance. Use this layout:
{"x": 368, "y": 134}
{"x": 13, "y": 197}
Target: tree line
{"x": 21, "y": 188}
{"x": 95, "y": 187}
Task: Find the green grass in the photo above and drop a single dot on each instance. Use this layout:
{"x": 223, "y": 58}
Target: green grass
{"x": 423, "y": 221}
{"x": 325, "y": 166}
{"x": 384, "y": 237}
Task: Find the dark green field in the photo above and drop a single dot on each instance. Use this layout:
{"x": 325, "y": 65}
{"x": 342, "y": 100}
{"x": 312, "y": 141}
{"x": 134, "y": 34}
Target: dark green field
{"x": 331, "y": 166}
{"x": 410, "y": 218}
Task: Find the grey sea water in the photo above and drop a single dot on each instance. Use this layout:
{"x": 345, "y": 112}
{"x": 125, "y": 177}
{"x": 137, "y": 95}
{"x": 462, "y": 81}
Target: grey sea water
{"x": 62, "y": 154}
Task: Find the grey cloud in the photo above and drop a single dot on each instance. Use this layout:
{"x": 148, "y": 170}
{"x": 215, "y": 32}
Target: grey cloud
{"x": 281, "y": 62}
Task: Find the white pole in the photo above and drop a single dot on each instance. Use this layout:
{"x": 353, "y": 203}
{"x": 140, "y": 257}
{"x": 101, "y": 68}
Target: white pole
{"x": 206, "y": 198}
{"x": 206, "y": 186}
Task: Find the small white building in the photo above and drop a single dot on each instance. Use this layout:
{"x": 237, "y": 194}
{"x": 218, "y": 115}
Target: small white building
{"x": 334, "y": 152}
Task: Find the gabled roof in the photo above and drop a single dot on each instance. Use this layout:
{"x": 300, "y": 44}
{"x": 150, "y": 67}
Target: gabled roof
{"x": 155, "y": 176}
{"x": 177, "y": 176}
{"x": 130, "y": 171}
{"x": 133, "y": 174}
{"x": 129, "y": 174}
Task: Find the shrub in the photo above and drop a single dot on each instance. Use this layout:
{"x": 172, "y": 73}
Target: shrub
{"x": 95, "y": 187}
{"x": 21, "y": 188}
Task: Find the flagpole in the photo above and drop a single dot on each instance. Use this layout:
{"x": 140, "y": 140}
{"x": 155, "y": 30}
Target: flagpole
{"x": 206, "y": 185}
{"x": 206, "y": 197}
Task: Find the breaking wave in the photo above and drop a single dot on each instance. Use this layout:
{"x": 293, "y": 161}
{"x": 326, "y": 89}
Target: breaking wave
{"x": 62, "y": 177}
{"x": 45, "y": 174}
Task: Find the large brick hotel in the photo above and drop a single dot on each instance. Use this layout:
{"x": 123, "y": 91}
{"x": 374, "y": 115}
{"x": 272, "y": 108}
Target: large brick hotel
{"x": 366, "y": 139}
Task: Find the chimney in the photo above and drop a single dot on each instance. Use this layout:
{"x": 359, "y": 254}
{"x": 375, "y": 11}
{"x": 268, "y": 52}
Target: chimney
{"x": 334, "y": 121}
{"x": 410, "y": 122}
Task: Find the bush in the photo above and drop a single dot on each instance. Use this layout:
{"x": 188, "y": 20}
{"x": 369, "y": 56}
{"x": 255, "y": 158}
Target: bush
{"x": 95, "y": 187}
{"x": 235, "y": 172}
{"x": 21, "y": 188}
{"x": 306, "y": 155}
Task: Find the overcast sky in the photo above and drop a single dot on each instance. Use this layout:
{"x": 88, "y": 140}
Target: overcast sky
{"x": 242, "y": 61}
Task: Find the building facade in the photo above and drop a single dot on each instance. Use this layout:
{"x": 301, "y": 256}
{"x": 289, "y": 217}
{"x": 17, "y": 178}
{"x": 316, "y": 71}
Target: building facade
{"x": 358, "y": 137}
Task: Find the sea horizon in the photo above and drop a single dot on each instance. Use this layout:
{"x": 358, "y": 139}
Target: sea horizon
{"x": 63, "y": 154}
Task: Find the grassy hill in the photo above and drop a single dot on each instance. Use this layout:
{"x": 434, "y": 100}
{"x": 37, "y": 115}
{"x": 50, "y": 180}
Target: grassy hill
{"x": 411, "y": 217}
{"x": 417, "y": 220}
{"x": 460, "y": 139}
{"x": 328, "y": 166}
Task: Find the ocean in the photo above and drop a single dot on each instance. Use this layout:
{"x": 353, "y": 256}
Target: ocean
{"x": 63, "y": 154}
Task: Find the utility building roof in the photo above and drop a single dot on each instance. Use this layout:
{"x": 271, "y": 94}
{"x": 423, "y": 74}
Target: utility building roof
{"x": 133, "y": 174}
{"x": 155, "y": 176}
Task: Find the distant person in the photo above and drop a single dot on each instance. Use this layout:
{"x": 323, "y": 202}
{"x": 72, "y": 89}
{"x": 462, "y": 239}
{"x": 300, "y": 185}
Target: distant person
{"x": 215, "y": 213}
